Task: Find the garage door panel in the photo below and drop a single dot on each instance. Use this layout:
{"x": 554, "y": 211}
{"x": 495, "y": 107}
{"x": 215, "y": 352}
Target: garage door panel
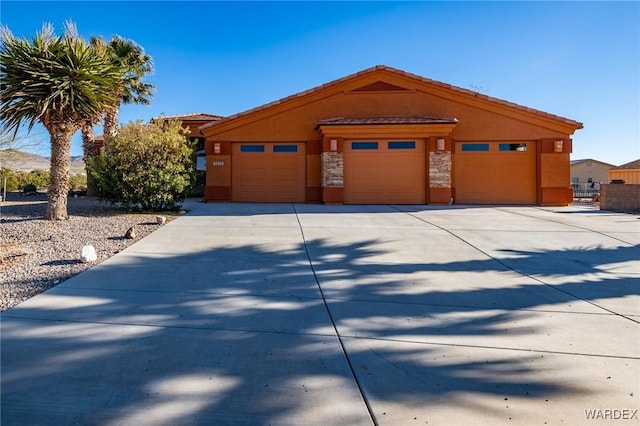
{"x": 491, "y": 173}
{"x": 390, "y": 174}
{"x": 401, "y": 176}
{"x": 274, "y": 173}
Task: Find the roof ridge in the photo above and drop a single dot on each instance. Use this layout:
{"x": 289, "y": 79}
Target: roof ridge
{"x": 297, "y": 94}
{"x": 480, "y": 95}
{"x": 581, "y": 160}
{"x": 187, "y": 115}
{"x": 397, "y": 71}
{"x": 635, "y": 164}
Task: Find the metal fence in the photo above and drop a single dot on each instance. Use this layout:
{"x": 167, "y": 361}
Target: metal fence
{"x": 586, "y": 194}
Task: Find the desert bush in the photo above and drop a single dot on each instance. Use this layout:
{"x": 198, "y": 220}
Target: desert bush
{"x": 146, "y": 166}
{"x": 78, "y": 182}
{"x": 40, "y": 178}
{"x": 30, "y": 189}
{"x": 11, "y": 179}
{"x": 16, "y": 180}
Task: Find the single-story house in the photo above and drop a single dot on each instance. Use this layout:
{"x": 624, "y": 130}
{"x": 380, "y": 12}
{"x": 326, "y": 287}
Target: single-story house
{"x": 628, "y": 172}
{"x": 386, "y": 136}
{"x": 589, "y": 170}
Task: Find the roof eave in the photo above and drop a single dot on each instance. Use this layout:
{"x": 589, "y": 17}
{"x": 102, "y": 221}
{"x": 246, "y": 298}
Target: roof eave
{"x": 554, "y": 121}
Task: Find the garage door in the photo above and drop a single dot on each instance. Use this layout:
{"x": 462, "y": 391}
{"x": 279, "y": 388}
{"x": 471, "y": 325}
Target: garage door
{"x": 268, "y": 172}
{"x": 384, "y": 172}
{"x": 495, "y": 173}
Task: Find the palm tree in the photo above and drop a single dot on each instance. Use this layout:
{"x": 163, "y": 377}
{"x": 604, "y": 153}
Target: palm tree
{"x": 60, "y": 81}
{"x": 134, "y": 65}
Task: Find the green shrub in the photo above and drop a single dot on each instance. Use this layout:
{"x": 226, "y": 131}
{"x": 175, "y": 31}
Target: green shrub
{"x": 147, "y": 166}
{"x": 11, "y": 177}
{"x": 16, "y": 180}
{"x": 78, "y": 182}
{"x": 40, "y": 178}
{"x": 30, "y": 189}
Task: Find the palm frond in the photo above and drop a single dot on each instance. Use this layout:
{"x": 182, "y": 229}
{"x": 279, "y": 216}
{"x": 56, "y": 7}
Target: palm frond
{"x": 52, "y": 78}
{"x": 134, "y": 65}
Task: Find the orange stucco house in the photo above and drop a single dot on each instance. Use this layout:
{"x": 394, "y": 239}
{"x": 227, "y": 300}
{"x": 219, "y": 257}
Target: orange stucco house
{"x": 385, "y": 136}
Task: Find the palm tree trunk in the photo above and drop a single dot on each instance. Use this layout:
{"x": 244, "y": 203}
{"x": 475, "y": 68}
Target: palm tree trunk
{"x": 110, "y": 123}
{"x": 89, "y": 152}
{"x": 60, "y": 165}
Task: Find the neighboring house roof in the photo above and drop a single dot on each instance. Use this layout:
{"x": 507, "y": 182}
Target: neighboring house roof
{"x": 385, "y": 120}
{"x": 633, "y": 165}
{"x": 470, "y": 96}
{"x": 189, "y": 117}
{"x": 192, "y": 121}
{"x": 182, "y": 117}
{"x": 99, "y": 140}
{"x": 575, "y": 162}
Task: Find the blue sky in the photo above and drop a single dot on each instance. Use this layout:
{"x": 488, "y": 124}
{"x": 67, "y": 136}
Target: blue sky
{"x": 580, "y": 60}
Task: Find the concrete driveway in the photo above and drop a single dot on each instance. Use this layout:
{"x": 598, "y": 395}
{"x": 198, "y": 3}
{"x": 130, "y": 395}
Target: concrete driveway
{"x": 340, "y": 315}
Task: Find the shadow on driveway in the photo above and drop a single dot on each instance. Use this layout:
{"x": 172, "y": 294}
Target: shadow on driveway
{"x": 245, "y": 334}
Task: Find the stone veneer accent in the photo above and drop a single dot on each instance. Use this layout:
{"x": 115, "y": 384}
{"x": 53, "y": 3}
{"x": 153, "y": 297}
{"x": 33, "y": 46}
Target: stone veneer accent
{"x": 439, "y": 169}
{"x": 332, "y": 170}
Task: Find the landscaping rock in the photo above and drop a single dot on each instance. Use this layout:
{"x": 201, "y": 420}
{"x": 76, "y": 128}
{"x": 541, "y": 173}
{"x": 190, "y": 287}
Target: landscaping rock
{"x": 32, "y": 262}
{"x": 131, "y": 233}
{"x": 88, "y": 254}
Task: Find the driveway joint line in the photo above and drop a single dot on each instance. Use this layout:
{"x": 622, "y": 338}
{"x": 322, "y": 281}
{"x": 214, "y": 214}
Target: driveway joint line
{"x": 500, "y": 348}
{"x": 471, "y": 308}
{"x": 564, "y": 224}
{"x": 333, "y": 323}
{"x": 164, "y": 326}
{"x": 194, "y": 292}
{"x": 520, "y": 272}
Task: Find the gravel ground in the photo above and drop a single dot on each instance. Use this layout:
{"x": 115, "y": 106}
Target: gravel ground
{"x": 37, "y": 254}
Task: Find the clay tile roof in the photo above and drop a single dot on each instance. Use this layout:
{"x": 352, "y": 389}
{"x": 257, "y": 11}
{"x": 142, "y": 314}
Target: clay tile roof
{"x": 628, "y": 166}
{"x": 190, "y": 117}
{"x": 573, "y": 123}
{"x": 576, "y": 124}
{"x": 385, "y": 120}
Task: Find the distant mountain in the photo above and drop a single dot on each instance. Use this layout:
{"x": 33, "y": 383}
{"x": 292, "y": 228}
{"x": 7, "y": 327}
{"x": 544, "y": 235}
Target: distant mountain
{"x": 26, "y": 162}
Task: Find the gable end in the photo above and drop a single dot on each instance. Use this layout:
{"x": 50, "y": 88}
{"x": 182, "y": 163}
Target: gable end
{"x": 380, "y": 86}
